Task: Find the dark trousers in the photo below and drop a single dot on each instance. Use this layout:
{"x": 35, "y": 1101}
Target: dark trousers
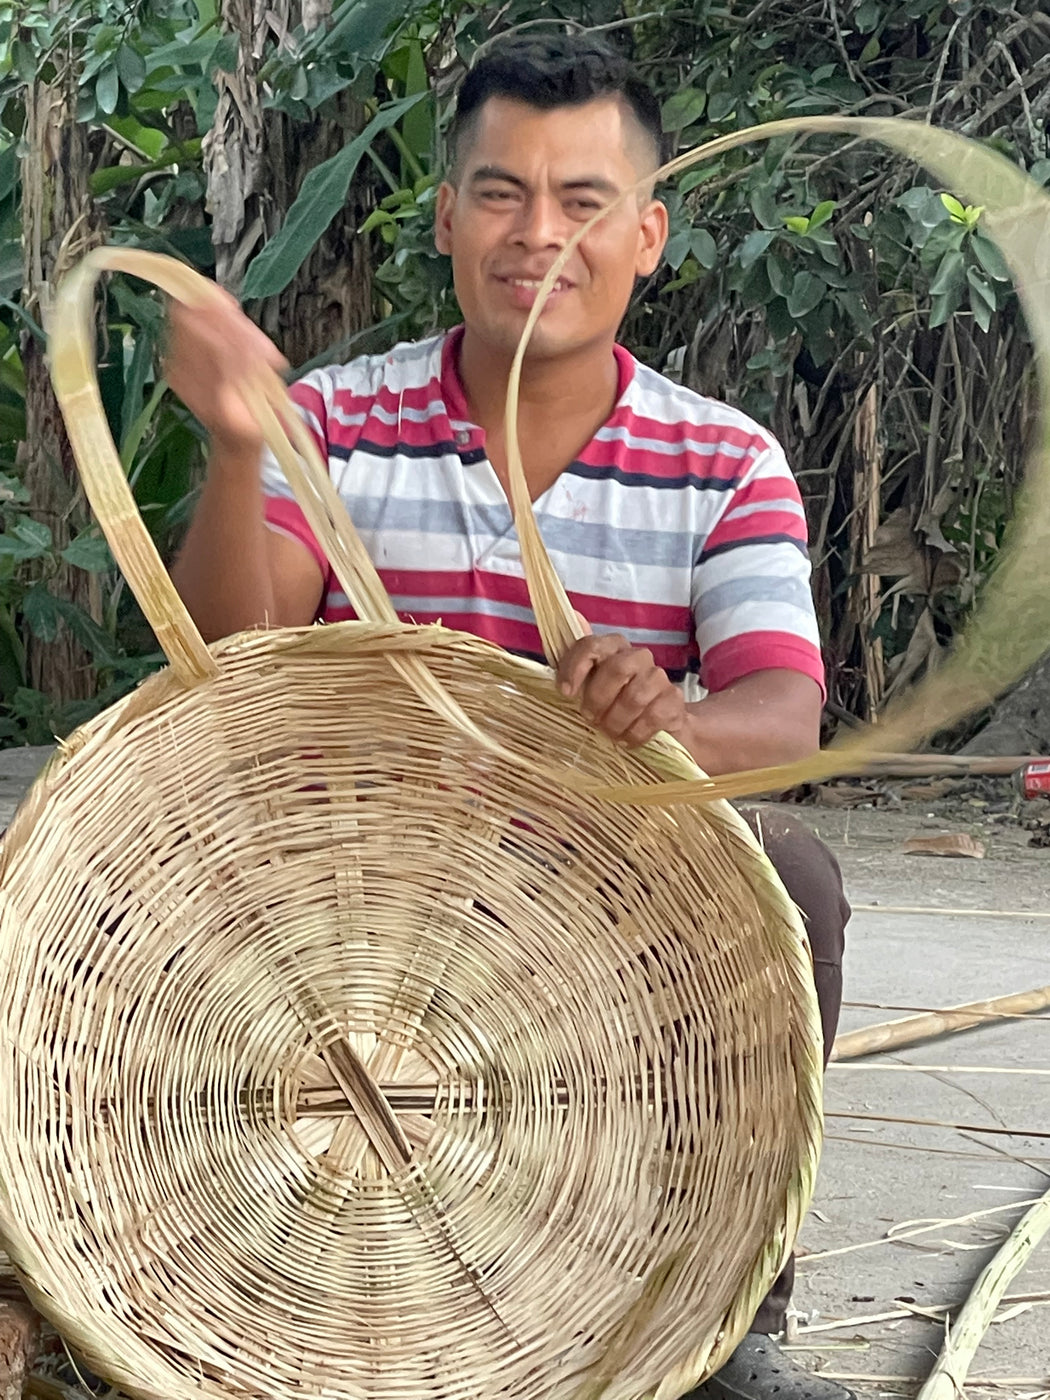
{"x": 811, "y": 876}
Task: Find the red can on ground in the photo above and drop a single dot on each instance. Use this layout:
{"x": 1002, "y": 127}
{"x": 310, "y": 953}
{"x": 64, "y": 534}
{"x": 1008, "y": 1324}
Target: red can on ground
{"x": 1033, "y": 780}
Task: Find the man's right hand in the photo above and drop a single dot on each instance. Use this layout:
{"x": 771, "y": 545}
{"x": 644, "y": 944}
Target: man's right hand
{"x": 211, "y": 350}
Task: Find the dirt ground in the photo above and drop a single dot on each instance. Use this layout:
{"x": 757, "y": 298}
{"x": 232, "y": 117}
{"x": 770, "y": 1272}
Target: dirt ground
{"x": 907, "y": 1214}
{"x": 933, "y": 1152}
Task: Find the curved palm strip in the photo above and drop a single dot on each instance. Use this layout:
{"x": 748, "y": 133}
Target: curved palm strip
{"x": 1012, "y": 628}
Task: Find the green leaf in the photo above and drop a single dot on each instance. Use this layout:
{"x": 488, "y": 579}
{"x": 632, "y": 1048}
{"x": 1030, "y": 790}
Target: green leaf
{"x": 107, "y": 90}
{"x": 797, "y": 223}
{"x": 9, "y": 171}
{"x": 683, "y": 109}
{"x": 990, "y": 258}
{"x": 29, "y": 539}
{"x": 922, "y": 206}
{"x": 40, "y": 613}
{"x": 89, "y": 551}
{"x": 697, "y": 176}
{"x": 950, "y": 274}
{"x": 764, "y": 206}
{"x": 131, "y": 68}
{"x": 34, "y": 532}
{"x": 12, "y": 490}
{"x": 322, "y": 195}
{"x": 688, "y": 273}
{"x": 721, "y": 105}
{"x": 300, "y": 85}
{"x": 417, "y": 129}
{"x": 754, "y": 245}
{"x": 223, "y": 57}
{"x": 23, "y": 60}
{"x": 779, "y": 275}
{"x": 871, "y": 50}
{"x": 807, "y": 292}
{"x": 12, "y": 548}
{"x": 152, "y": 142}
{"x": 821, "y": 214}
{"x": 358, "y": 27}
{"x": 954, "y": 208}
{"x": 677, "y": 249}
{"x": 378, "y": 218}
{"x": 703, "y": 247}
{"x": 182, "y": 54}
{"x": 87, "y": 632}
{"x": 981, "y": 313}
{"x": 946, "y": 304}
{"x": 867, "y": 16}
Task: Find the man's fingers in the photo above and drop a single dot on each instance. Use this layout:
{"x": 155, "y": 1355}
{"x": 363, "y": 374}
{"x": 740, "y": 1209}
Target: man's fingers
{"x": 605, "y": 682}
{"x": 585, "y": 656}
{"x": 663, "y": 715}
{"x": 630, "y": 704}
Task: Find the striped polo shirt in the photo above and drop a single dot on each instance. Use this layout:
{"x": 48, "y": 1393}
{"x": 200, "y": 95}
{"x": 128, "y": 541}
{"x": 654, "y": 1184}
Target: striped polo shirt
{"x": 679, "y": 525}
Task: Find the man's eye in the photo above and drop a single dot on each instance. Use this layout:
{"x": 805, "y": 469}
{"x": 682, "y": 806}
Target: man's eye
{"x": 497, "y": 195}
{"x": 587, "y": 206}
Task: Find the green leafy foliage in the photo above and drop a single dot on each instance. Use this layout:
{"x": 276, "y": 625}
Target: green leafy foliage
{"x": 322, "y": 195}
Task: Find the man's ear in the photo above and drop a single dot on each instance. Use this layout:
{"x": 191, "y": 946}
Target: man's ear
{"x": 652, "y": 236}
{"x": 446, "y": 202}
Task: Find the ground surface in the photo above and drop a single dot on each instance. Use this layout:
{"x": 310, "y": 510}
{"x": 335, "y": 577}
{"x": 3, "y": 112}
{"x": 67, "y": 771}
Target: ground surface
{"x": 883, "y": 1178}
{"x": 880, "y": 1178}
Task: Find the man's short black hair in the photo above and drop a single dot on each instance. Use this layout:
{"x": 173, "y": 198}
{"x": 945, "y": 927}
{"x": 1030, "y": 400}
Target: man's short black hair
{"x": 552, "y": 69}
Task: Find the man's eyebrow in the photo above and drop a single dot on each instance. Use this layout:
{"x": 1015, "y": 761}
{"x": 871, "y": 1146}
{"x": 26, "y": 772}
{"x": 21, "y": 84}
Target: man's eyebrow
{"x": 598, "y": 183}
{"x": 495, "y": 172}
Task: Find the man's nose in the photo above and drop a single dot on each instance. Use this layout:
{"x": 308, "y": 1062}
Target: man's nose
{"x": 542, "y": 223}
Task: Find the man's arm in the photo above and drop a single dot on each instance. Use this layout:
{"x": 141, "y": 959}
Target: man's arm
{"x": 765, "y": 718}
{"x": 233, "y": 572}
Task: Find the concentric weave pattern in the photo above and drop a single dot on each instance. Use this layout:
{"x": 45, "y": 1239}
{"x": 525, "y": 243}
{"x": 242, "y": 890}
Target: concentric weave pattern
{"x": 339, "y": 1058}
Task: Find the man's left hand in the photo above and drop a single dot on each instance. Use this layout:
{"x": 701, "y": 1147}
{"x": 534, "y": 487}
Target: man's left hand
{"x": 621, "y": 689}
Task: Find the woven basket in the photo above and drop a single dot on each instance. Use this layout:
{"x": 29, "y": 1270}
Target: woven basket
{"x": 351, "y": 1047}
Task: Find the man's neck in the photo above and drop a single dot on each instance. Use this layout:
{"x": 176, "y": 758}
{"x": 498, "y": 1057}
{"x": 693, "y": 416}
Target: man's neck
{"x": 570, "y": 391}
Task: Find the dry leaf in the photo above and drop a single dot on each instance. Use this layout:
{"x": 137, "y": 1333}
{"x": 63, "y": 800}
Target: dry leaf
{"x": 954, "y": 844}
{"x": 928, "y": 792}
{"x": 845, "y": 795}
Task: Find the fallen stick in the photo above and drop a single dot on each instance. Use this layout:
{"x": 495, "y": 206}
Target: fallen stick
{"x": 910, "y": 1030}
{"x": 945, "y": 1381}
{"x": 952, "y": 913}
{"x": 886, "y": 1378}
{"x": 935, "y": 765}
{"x": 946, "y": 1069}
{"x": 907, "y": 1234}
{"x": 938, "y": 1123}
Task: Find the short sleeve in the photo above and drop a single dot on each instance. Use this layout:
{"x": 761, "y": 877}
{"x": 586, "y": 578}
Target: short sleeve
{"x": 281, "y": 508}
{"x": 751, "y": 595}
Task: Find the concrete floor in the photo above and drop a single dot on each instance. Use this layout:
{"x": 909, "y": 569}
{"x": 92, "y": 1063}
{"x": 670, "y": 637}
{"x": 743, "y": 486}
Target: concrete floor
{"x": 882, "y": 1178}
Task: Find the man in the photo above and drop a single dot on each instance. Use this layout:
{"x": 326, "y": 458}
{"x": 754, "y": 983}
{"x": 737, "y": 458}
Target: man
{"x": 674, "y": 521}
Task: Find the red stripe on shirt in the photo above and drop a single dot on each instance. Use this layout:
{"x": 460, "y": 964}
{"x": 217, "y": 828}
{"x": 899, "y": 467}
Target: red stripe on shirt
{"x": 749, "y": 652}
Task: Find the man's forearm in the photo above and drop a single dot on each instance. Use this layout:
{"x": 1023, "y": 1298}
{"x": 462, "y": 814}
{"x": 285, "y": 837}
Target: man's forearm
{"x": 750, "y": 726}
{"x": 222, "y": 571}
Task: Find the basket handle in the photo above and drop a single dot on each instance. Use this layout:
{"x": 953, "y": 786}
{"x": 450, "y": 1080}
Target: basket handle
{"x": 76, "y": 387}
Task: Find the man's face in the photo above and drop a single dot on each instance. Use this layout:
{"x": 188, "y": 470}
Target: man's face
{"x": 526, "y": 180}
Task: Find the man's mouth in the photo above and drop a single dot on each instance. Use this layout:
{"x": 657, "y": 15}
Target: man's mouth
{"x": 523, "y": 292}
{"x": 535, "y": 283}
